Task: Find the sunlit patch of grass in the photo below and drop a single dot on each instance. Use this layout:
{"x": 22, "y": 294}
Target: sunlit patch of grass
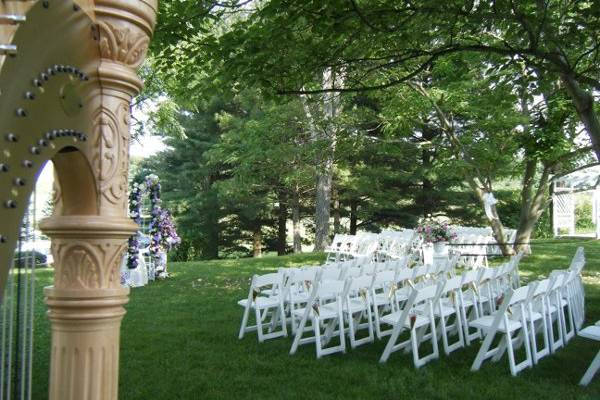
{"x": 179, "y": 341}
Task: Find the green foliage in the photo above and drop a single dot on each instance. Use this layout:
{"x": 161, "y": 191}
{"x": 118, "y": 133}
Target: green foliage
{"x": 583, "y": 215}
{"x": 491, "y": 69}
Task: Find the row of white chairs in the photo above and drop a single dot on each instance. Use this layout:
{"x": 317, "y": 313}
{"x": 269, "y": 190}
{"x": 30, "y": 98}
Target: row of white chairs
{"x": 474, "y": 244}
{"x": 427, "y": 302}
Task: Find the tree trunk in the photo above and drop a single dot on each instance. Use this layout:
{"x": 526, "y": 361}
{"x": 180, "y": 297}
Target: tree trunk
{"x": 296, "y": 223}
{"x": 282, "y": 223}
{"x": 210, "y": 248}
{"x": 427, "y": 189}
{"x": 325, "y": 158}
{"x": 353, "y": 216}
{"x": 257, "y": 241}
{"x": 584, "y": 104}
{"x": 336, "y": 211}
{"x": 495, "y": 223}
{"x": 532, "y": 206}
{"x": 322, "y": 210}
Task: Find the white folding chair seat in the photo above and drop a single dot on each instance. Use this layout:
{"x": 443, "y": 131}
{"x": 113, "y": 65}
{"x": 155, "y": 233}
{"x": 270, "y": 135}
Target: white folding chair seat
{"x": 509, "y": 319}
{"x": 593, "y": 333}
{"x": 264, "y": 306}
{"x": 261, "y": 302}
{"x": 416, "y": 322}
{"x": 486, "y": 323}
{"x": 322, "y": 313}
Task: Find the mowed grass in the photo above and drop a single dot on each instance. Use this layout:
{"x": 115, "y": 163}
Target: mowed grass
{"x": 179, "y": 341}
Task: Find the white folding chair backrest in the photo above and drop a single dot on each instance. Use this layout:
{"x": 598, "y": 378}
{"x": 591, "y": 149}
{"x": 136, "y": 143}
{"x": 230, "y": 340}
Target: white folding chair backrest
{"x": 327, "y": 289}
{"x": 350, "y": 273}
{"x": 519, "y": 295}
{"x": 273, "y": 279}
{"x": 354, "y": 285}
{"x": 404, "y": 274}
{"x": 578, "y": 259}
{"x": 470, "y": 276}
{"x": 428, "y": 293}
{"x": 330, "y": 273}
{"x": 383, "y": 278}
{"x": 369, "y": 269}
{"x": 420, "y": 271}
{"x": 452, "y": 284}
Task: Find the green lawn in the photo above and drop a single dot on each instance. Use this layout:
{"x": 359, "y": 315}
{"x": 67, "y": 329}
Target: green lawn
{"x": 179, "y": 341}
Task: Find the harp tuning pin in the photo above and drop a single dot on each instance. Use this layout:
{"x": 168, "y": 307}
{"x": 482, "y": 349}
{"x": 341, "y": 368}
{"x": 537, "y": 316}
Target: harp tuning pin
{"x": 10, "y": 204}
{"x": 37, "y": 83}
{"x": 29, "y": 96}
{"x": 11, "y": 137}
{"x": 3, "y": 167}
{"x": 19, "y": 182}
{"x": 44, "y": 76}
{"x": 21, "y": 112}
{"x": 3, "y": 239}
{"x": 43, "y": 142}
{"x": 27, "y": 163}
{"x": 34, "y": 150}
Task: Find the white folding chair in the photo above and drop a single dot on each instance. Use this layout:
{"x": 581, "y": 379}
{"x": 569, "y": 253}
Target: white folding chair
{"x": 416, "y": 321}
{"x": 322, "y": 313}
{"x": 263, "y": 306}
{"x": 593, "y": 333}
{"x": 382, "y": 299}
{"x": 538, "y": 316}
{"x": 485, "y": 290}
{"x": 509, "y": 319}
{"x": 357, "y": 307}
{"x": 555, "y": 311}
{"x": 469, "y": 304}
{"x": 298, "y": 287}
{"x": 447, "y": 307}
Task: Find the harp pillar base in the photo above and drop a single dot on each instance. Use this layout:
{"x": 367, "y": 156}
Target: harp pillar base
{"x": 85, "y": 305}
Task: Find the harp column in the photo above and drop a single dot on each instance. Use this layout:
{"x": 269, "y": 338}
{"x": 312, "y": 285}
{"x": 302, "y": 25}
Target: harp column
{"x": 86, "y": 302}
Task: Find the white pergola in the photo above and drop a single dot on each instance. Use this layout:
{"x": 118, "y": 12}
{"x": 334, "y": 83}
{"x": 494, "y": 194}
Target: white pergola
{"x": 565, "y": 189}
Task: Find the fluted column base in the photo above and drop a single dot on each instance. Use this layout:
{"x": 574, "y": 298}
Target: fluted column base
{"x": 85, "y": 342}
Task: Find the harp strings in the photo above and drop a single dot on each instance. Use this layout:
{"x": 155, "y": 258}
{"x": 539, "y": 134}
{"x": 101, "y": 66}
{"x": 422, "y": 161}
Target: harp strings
{"x": 17, "y": 312}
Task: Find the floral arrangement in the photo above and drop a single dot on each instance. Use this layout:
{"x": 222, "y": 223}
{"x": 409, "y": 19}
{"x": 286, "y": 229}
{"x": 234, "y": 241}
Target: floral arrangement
{"x": 431, "y": 231}
{"x": 135, "y": 211}
{"x": 163, "y": 235}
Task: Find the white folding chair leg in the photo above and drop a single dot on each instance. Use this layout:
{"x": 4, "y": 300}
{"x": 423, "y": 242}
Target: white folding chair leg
{"x": 524, "y": 338}
{"x": 244, "y": 322}
{"x": 445, "y": 333}
{"x": 298, "y": 339}
{"x": 354, "y": 324}
{"x": 391, "y": 345}
{"x": 468, "y": 335}
{"x": 542, "y": 327}
{"x": 591, "y": 371}
{"x": 415, "y": 341}
{"x": 568, "y": 325}
{"x": 485, "y": 352}
{"x": 554, "y": 330}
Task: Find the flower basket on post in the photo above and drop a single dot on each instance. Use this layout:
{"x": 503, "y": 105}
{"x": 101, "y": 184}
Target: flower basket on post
{"x": 435, "y": 237}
